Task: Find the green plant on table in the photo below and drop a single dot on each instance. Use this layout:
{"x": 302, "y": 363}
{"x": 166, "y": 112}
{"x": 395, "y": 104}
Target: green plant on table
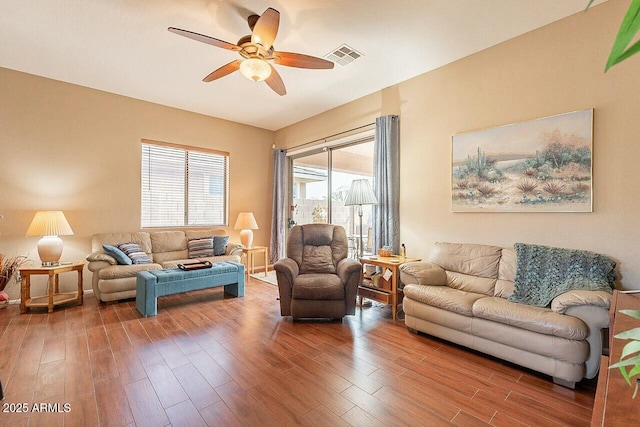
{"x": 629, "y": 363}
{"x": 628, "y": 29}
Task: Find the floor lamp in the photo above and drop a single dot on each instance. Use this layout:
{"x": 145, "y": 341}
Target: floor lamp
{"x": 360, "y": 194}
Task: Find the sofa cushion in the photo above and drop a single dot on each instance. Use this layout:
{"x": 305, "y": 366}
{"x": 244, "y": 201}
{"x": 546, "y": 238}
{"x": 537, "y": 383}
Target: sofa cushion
{"x": 141, "y": 238}
{"x": 469, "y": 283}
{"x": 220, "y": 245}
{"x": 204, "y": 232}
{"x": 120, "y": 257}
{"x": 200, "y": 247}
{"x": 474, "y": 260}
{"x": 318, "y": 287}
{"x": 535, "y": 319}
{"x": 506, "y": 273}
{"x": 135, "y": 252}
{"x": 443, "y": 297}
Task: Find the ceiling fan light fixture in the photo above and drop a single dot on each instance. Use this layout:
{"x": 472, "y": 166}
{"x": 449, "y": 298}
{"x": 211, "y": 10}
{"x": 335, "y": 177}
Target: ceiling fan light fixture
{"x": 255, "y": 69}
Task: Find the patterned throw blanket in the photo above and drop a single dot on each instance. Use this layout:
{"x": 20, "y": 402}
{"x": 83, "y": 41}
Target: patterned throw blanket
{"x": 543, "y": 273}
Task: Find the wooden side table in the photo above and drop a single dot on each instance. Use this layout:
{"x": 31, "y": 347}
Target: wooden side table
{"x": 55, "y": 297}
{"x": 250, "y": 254}
{"x": 387, "y": 292}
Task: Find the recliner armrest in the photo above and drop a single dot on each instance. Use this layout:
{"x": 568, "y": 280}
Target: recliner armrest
{"x": 287, "y": 266}
{"x": 286, "y": 271}
{"x": 564, "y": 301}
{"x": 423, "y": 273}
{"x": 346, "y": 268}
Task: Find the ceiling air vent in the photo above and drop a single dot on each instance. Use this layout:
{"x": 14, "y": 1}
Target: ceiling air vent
{"x": 343, "y": 55}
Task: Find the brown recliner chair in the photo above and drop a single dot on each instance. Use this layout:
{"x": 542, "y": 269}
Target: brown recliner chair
{"x": 317, "y": 280}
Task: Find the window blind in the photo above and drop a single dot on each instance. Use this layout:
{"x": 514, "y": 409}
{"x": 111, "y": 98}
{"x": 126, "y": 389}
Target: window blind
{"x": 183, "y": 186}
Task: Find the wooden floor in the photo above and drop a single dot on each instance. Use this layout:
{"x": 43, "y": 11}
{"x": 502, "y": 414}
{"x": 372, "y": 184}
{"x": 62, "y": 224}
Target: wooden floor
{"x": 207, "y": 359}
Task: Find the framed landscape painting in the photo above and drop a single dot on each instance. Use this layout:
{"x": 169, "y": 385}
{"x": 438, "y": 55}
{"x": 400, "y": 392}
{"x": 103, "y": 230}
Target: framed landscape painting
{"x": 542, "y": 165}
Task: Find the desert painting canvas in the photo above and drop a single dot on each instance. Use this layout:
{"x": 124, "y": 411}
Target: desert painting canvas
{"x": 542, "y": 165}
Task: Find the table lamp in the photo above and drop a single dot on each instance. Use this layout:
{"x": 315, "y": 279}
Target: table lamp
{"x": 360, "y": 194}
{"x": 49, "y": 225}
{"x": 246, "y": 222}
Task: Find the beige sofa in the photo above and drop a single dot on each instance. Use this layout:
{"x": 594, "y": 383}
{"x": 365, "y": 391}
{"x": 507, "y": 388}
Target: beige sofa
{"x": 460, "y": 295}
{"x": 112, "y": 282}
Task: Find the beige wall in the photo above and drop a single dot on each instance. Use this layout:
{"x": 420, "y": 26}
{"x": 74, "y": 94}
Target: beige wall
{"x": 553, "y": 70}
{"x": 75, "y": 149}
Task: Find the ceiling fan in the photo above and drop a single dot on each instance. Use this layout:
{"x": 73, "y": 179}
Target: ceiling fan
{"x": 256, "y": 50}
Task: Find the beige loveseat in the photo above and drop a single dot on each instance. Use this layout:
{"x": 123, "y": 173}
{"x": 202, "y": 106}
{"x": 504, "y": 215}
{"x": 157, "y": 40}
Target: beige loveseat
{"x": 461, "y": 295}
{"x": 112, "y": 282}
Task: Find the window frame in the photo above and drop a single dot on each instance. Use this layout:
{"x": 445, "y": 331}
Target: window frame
{"x": 187, "y": 149}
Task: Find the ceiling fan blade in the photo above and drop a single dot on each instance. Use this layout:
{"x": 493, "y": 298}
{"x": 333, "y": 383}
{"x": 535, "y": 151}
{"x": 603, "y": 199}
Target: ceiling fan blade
{"x": 223, "y": 71}
{"x": 266, "y": 29}
{"x": 275, "y": 82}
{"x": 301, "y": 61}
{"x": 204, "y": 39}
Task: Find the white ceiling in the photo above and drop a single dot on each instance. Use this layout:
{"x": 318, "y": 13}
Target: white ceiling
{"x": 123, "y": 47}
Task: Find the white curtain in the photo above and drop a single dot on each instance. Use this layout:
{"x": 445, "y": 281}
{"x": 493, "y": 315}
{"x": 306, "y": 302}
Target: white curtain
{"x": 277, "y": 249}
{"x": 386, "y": 184}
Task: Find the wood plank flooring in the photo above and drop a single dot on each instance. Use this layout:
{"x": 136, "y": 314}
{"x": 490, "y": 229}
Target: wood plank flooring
{"x": 208, "y": 359}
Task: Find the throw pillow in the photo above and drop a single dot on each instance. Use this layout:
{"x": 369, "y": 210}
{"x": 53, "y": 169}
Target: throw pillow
{"x": 120, "y": 257}
{"x": 220, "y": 245}
{"x": 135, "y": 252}
{"x": 200, "y": 247}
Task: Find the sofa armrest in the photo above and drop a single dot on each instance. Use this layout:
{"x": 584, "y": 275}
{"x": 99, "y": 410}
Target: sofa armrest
{"x": 564, "y": 301}
{"x": 234, "y": 249}
{"x": 286, "y": 272}
{"x": 95, "y": 266}
{"x": 423, "y": 273}
{"x": 592, "y": 307}
{"x": 100, "y": 256}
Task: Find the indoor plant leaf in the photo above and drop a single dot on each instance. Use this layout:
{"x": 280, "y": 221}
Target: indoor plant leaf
{"x": 634, "y": 371}
{"x": 630, "y": 334}
{"x": 630, "y": 348}
{"x": 632, "y": 313}
{"x": 626, "y": 362}
{"x": 628, "y": 29}
{"x": 621, "y": 365}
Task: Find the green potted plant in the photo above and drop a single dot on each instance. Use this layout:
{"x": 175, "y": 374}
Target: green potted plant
{"x": 8, "y": 268}
{"x": 629, "y": 363}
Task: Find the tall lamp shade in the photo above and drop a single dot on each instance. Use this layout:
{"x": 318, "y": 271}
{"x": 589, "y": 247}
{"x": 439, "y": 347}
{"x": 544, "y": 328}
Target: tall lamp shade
{"x": 360, "y": 194}
{"x": 246, "y": 222}
{"x": 49, "y": 225}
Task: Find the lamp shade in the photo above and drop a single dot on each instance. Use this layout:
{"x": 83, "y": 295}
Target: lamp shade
{"x": 360, "y": 193}
{"x": 246, "y": 221}
{"x": 49, "y": 223}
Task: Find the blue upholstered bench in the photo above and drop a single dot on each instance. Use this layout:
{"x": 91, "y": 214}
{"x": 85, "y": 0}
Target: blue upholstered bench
{"x": 156, "y": 283}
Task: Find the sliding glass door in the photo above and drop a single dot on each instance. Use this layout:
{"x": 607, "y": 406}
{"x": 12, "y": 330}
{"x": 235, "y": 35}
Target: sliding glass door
{"x": 310, "y": 189}
{"x": 321, "y": 182}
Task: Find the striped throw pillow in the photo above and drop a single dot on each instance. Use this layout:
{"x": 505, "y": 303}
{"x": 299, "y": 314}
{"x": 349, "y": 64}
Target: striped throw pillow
{"x": 135, "y": 252}
{"x": 200, "y": 247}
